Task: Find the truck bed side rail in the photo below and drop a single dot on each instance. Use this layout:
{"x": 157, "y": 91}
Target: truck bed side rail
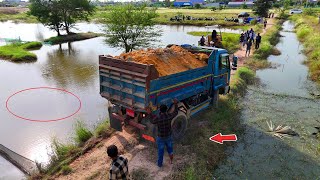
{"x": 125, "y": 83}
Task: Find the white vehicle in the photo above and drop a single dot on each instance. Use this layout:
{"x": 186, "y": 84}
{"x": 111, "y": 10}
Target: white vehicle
{"x": 295, "y": 11}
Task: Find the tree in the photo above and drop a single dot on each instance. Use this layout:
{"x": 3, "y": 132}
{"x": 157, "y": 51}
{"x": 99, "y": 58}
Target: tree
{"x": 261, "y": 7}
{"x": 61, "y": 14}
{"x": 73, "y": 10}
{"x": 131, "y": 27}
{"x": 47, "y": 12}
{"x": 244, "y": 6}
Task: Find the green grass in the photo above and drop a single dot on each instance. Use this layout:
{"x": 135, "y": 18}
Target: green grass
{"x": 103, "y": 130}
{"x": 83, "y": 134}
{"x": 225, "y": 118}
{"x": 71, "y": 38}
{"x": 307, "y": 29}
{"x": 65, "y": 170}
{"x": 20, "y": 17}
{"x": 19, "y": 51}
{"x": 230, "y": 41}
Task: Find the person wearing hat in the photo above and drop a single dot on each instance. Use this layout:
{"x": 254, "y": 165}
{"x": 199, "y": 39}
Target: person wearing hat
{"x": 119, "y": 165}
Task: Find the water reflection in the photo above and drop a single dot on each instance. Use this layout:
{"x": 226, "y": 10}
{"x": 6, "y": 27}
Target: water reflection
{"x": 65, "y": 66}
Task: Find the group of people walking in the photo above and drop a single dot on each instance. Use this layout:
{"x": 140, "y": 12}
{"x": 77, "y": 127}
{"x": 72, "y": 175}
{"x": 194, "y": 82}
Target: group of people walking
{"x": 248, "y": 38}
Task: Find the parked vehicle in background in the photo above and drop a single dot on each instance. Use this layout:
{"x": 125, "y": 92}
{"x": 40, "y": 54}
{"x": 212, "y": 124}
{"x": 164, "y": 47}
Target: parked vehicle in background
{"x": 295, "y": 11}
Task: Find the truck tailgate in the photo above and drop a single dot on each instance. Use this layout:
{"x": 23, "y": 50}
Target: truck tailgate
{"x": 125, "y": 83}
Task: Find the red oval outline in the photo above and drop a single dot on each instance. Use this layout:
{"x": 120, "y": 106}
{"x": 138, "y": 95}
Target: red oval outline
{"x": 50, "y": 120}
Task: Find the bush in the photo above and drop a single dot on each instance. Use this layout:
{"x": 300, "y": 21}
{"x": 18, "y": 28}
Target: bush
{"x": 65, "y": 170}
{"x": 103, "y": 130}
{"x": 309, "y": 11}
{"x": 253, "y": 22}
{"x": 197, "y": 6}
{"x": 82, "y": 133}
{"x": 213, "y": 9}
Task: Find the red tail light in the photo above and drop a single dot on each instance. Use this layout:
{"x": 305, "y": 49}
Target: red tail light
{"x": 149, "y": 138}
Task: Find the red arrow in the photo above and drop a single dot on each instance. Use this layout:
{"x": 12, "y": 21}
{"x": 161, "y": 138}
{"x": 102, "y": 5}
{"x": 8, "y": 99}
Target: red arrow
{"x": 219, "y": 138}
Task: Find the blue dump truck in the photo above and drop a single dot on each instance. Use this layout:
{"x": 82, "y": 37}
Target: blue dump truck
{"x": 131, "y": 88}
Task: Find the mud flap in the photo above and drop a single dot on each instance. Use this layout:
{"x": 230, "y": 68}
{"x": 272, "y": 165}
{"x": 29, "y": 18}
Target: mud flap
{"x": 115, "y": 123}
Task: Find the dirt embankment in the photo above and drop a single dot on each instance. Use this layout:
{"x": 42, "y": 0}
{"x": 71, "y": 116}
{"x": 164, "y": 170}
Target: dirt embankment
{"x": 167, "y": 60}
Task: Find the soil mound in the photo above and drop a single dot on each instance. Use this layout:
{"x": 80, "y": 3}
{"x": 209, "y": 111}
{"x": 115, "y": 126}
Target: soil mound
{"x": 167, "y": 60}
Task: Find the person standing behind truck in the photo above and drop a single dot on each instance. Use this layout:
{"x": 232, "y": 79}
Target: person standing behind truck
{"x": 265, "y": 23}
{"x": 163, "y": 121}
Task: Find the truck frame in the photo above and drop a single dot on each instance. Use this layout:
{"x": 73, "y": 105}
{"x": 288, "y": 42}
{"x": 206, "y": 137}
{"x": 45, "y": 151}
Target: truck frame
{"x": 132, "y": 88}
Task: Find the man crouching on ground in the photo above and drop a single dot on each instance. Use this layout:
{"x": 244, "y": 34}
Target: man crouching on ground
{"x": 119, "y": 165}
{"x": 163, "y": 121}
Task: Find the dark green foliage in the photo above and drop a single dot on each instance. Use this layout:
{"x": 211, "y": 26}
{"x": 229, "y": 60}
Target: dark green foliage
{"x": 197, "y": 6}
{"x": 131, "y": 27}
{"x": 60, "y": 14}
{"x": 261, "y": 7}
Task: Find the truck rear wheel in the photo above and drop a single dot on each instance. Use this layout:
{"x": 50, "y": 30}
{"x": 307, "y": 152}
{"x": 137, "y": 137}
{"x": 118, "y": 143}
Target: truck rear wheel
{"x": 179, "y": 126}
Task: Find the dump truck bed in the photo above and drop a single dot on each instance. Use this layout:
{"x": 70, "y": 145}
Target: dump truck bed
{"x": 137, "y": 86}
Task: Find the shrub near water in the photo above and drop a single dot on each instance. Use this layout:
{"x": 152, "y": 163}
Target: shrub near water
{"x": 18, "y": 51}
{"x": 82, "y": 133}
{"x": 308, "y": 33}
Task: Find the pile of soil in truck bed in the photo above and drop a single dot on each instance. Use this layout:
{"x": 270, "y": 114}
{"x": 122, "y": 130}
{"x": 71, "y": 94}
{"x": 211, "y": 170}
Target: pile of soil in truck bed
{"x": 167, "y": 60}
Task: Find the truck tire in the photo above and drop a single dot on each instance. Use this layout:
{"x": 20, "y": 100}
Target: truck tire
{"x": 179, "y": 126}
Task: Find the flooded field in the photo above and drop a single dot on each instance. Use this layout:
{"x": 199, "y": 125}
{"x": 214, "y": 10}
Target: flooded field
{"x": 283, "y": 96}
{"x": 70, "y": 66}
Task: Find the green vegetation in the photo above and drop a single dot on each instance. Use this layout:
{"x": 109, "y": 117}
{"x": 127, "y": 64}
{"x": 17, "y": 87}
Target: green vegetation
{"x": 262, "y": 7}
{"x": 226, "y": 118}
{"x": 61, "y": 14}
{"x": 82, "y": 133}
{"x": 65, "y": 170}
{"x": 307, "y": 28}
{"x": 131, "y": 27}
{"x": 65, "y": 153}
{"x": 103, "y": 130}
{"x": 165, "y": 14}
{"x": 230, "y": 41}
{"x": 19, "y": 51}
{"x": 71, "y": 38}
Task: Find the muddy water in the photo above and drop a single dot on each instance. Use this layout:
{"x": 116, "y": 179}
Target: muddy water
{"x": 283, "y": 98}
{"x": 70, "y": 66}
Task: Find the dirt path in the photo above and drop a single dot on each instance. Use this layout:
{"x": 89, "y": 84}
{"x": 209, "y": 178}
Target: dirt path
{"x": 242, "y": 52}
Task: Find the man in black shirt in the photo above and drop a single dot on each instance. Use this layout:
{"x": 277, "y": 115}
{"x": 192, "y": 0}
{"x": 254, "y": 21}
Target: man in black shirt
{"x": 163, "y": 121}
{"x": 258, "y": 41}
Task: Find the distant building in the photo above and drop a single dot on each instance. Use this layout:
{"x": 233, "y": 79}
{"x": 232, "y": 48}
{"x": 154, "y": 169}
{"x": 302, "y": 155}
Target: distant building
{"x": 12, "y": 1}
{"x": 212, "y": 5}
{"x": 183, "y": 3}
{"x": 239, "y": 4}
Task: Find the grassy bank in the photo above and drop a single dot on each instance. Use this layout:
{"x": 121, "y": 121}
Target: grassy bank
{"x": 308, "y": 32}
{"x": 16, "y": 14}
{"x": 19, "y": 51}
{"x": 230, "y": 41}
{"x": 65, "y": 154}
{"x": 71, "y": 38}
{"x": 203, "y": 155}
{"x": 267, "y": 47}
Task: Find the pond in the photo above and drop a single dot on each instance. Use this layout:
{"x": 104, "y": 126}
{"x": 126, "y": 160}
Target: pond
{"x": 72, "y": 67}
